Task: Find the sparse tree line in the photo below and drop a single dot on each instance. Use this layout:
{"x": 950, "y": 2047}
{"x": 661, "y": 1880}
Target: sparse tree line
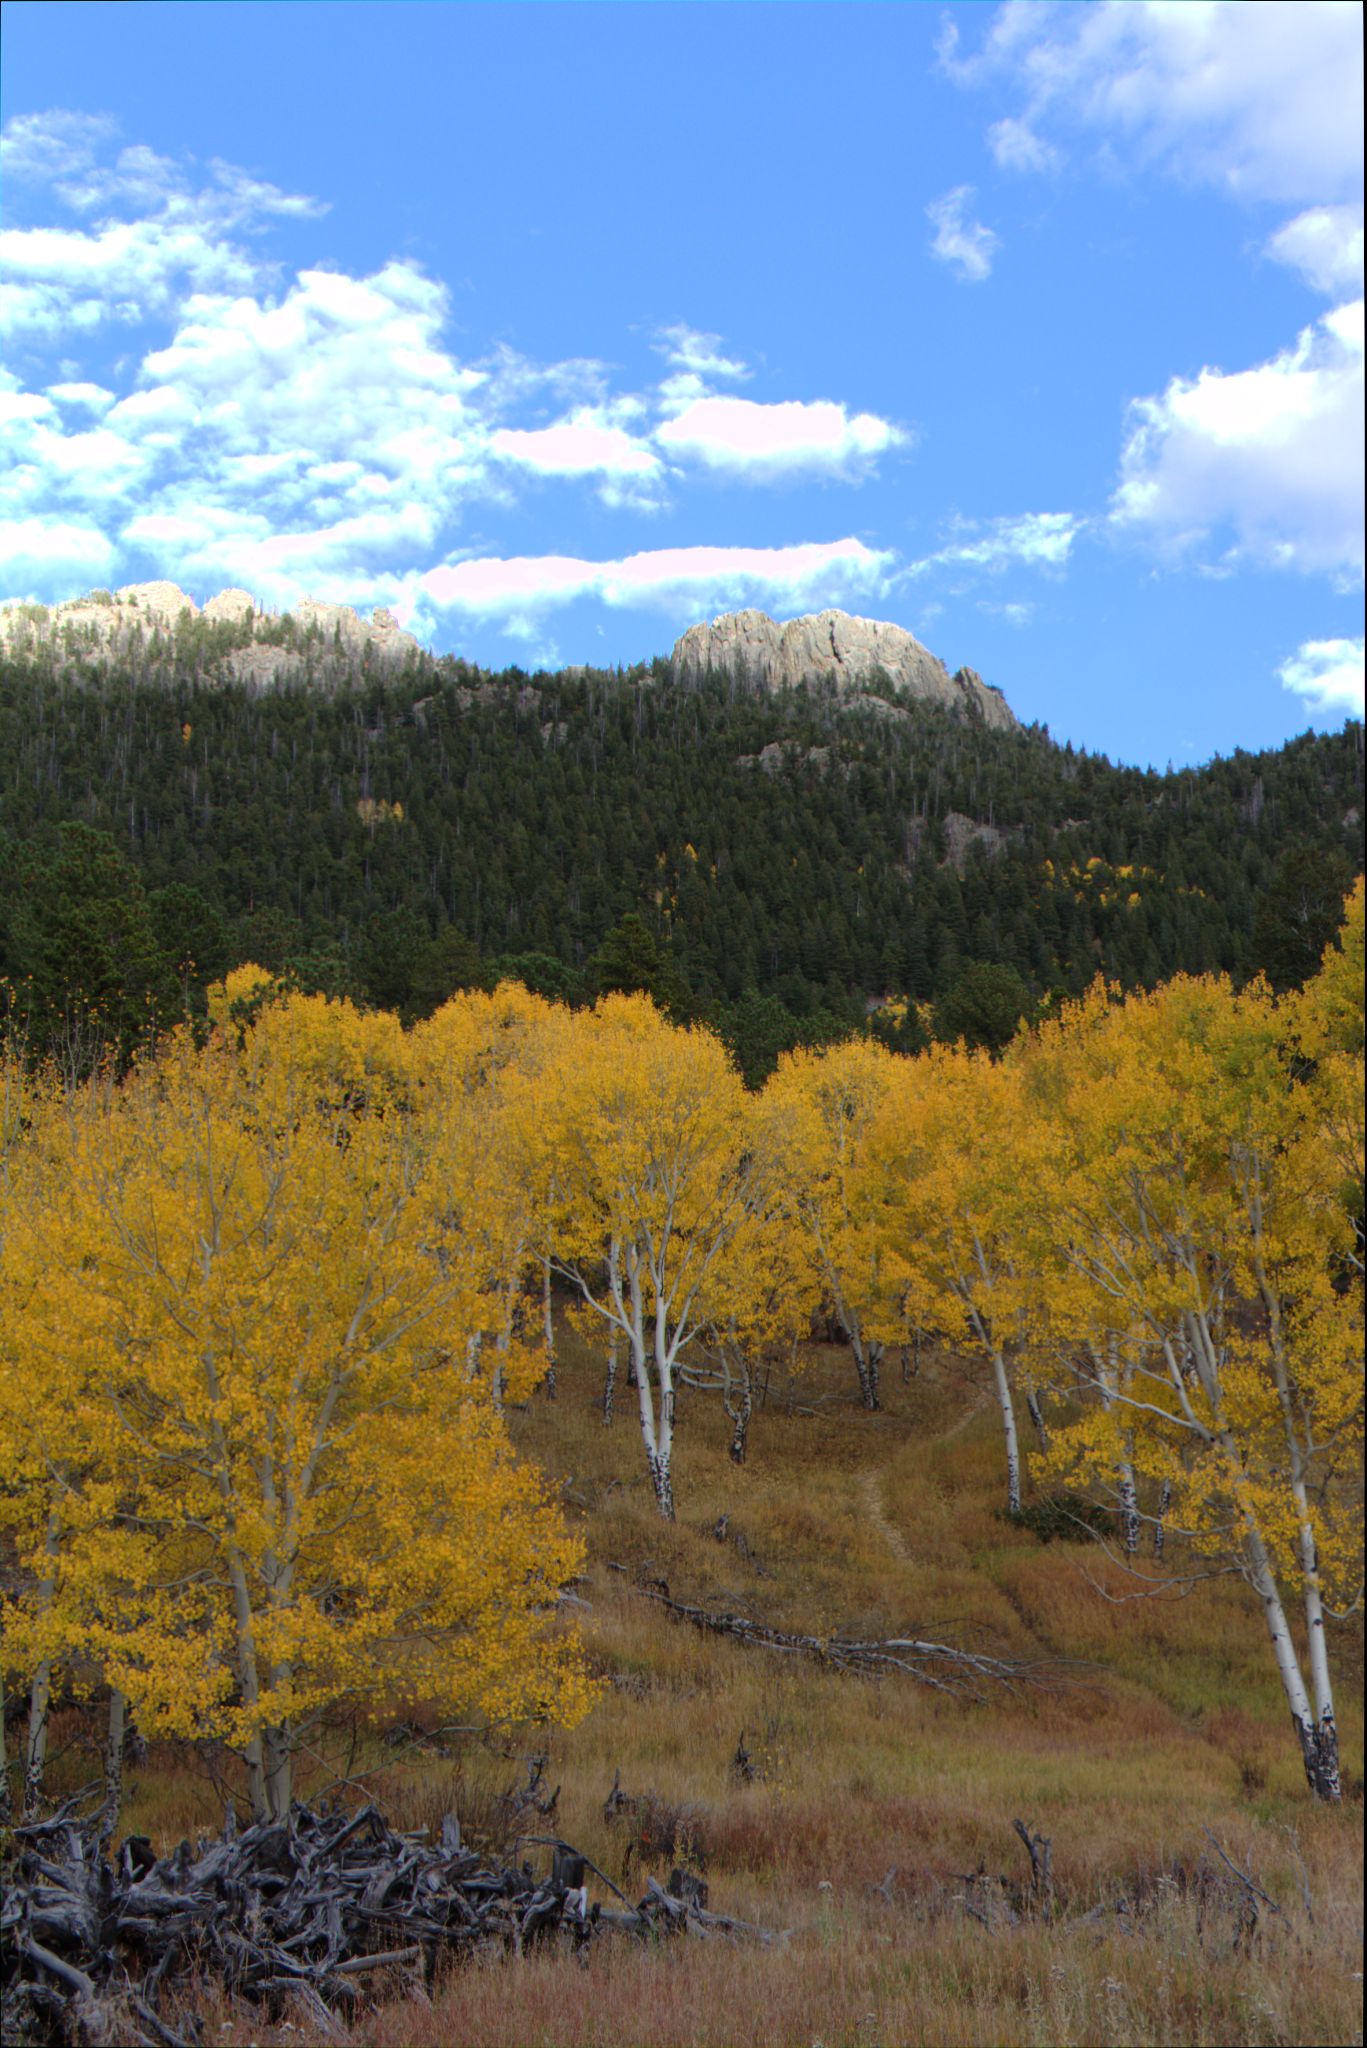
{"x": 266, "y": 1299}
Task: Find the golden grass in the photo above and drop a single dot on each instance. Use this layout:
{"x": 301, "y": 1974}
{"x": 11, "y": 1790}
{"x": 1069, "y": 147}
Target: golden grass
{"x": 1178, "y": 1729}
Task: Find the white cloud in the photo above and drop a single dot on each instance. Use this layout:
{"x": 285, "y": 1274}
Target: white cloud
{"x": 965, "y": 244}
{"x": 591, "y": 442}
{"x": 582, "y": 445}
{"x": 1329, "y": 675}
{"x": 309, "y": 433}
{"x": 93, "y": 395}
{"x": 1270, "y": 456}
{"x": 1325, "y": 245}
{"x": 126, "y": 270}
{"x": 34, "y": 551}
{"x": 790, "y": 578}
{"x": 759, "y": 443}
{"x": 1014, "y": 614}
{"x": 1016, "y": 147}
{"x": 1032, "y": 540}
{"x": 696, "y": 353}
{"x": 38, "y": 149}
{"x": 1264, "y": 100}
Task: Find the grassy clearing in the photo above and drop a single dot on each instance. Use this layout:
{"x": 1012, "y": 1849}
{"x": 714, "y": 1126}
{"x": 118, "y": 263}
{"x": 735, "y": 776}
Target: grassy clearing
{"x": 876, "y": 1524}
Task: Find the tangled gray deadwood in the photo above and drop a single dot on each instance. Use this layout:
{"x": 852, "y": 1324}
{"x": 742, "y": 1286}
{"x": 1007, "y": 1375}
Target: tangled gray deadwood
{"x": 306, "y": 1913}
{"x": 946, "y": 1667}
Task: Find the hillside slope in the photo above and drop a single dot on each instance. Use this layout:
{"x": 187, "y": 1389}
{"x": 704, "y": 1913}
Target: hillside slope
{"x": 870, "y": 1804}
{"x": 788, "y": 848}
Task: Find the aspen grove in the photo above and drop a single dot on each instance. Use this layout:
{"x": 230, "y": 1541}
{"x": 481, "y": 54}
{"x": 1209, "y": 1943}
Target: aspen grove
{"x": 266, "y": 1299}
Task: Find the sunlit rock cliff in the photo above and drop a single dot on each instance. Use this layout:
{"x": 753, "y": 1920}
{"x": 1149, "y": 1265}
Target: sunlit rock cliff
{"x": 156, "y": 630}
{"x": 833, "y": 645}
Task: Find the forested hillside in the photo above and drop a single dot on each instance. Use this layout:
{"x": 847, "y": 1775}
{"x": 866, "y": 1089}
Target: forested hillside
{"x": 780, "y": 863}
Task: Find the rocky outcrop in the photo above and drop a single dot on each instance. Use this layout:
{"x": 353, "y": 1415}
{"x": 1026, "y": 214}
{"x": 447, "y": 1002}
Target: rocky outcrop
{"x": 833, "y": 646}
{"x": 961, "y": 835}
{"x": 157, "y": 630}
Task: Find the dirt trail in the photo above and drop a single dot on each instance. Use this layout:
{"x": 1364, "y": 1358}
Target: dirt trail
{"x": 870, "y": 1485}
{"x": 974, "y": 1409}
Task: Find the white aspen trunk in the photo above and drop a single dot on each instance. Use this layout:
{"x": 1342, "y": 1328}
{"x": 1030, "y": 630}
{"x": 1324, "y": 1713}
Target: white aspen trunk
{"x": 35, "y": 1748}
{"x": 40, "y": 1688}
{"x": 1129, "y": 1499}
{"x": 867, "y": 1358}
{"x": 1013, "y": 1460}
{"x": 278, "y": 1772}
{"x": 656, "y": 1430}
{"x": 740, "y": 1405}
{"x": 1327, "y": 1781}
{"x": 1112, "y": 1385}
{"x": 1319, "y": 1743}
{"x": 664, "y": 1369}
{"x": 610, "y": 1378}
{"x": 1159, "y": 1530}
{"x": 1036, "y": 1414}
{"x": 1321, "y": 1772}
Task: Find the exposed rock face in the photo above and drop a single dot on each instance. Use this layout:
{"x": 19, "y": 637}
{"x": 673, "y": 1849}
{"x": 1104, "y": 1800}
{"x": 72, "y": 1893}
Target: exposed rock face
{"x": 151, "y": 626}
{"x": 826, "y": 644}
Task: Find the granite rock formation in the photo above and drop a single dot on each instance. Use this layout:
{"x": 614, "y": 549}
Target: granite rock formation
{"x": 833, "y": 645}
{"x": 156, "y": 629}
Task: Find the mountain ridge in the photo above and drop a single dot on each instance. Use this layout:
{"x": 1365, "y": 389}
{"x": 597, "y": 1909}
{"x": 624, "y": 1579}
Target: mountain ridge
{"x": 156, "y": 628}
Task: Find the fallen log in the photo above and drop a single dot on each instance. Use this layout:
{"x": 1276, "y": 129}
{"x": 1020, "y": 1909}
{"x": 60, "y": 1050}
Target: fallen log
{"x": 944, "y": 1667}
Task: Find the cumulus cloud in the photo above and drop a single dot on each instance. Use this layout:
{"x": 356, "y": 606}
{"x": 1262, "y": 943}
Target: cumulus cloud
{"x": 771, "y": 442}
{"x": 1270, "y": 457}
{"x": 312, "y": 431}
{"x": 790, "y": 578}
{"x": 1265, "y": 103}
{"x": 93, "y": 395}
{"x": 1325, "y": 245}
{"x": 1328, "y": 674}
{"x": 966, "y": 245}
{"x": 1264, "y": 100}
{"x": 182, "y": 237}
{"x": 33, "y": 551}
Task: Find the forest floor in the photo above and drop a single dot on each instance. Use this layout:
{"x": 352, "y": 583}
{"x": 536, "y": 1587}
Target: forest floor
{"x": 874, "y": 1804}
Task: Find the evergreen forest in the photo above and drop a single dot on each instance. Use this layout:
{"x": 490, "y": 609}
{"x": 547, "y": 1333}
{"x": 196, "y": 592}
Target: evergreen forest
{"x": 782, "y": 865}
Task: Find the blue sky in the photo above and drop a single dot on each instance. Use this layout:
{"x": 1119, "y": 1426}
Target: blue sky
{"x": 1035, "y": 328}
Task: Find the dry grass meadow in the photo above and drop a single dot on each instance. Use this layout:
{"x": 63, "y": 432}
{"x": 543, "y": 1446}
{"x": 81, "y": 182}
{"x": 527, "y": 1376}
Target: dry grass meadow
{"x": 875, "y": 1804}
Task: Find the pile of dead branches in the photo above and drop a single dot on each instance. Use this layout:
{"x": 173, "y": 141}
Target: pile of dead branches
{"x": 310, "y": 1915}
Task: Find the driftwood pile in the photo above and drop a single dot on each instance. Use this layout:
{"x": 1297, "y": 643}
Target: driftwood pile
{"x": 309, "y": 1915}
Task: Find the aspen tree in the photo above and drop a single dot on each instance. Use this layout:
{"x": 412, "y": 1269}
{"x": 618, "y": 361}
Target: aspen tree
{"x": 942, "y": 1179}
{"x": 658, "y": 1172}
{"x": 475, "y": 1066}
{"x": 1196, "y": 1211}
{"x": 305, "y": 1503}
{"x": 817, "y": 1108}
{"x": 761, "y": 1300}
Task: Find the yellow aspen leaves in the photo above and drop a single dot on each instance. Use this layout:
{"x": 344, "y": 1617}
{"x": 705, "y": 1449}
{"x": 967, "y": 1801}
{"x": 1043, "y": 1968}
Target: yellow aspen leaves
{"x": 239, "y": 1356}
